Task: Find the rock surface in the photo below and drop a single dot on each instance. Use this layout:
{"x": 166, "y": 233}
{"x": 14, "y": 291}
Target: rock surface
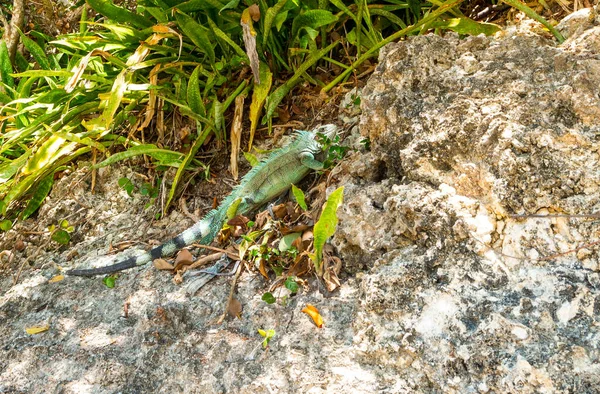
{"x": 467, "y": 289}
{"x": 445, "y": 289}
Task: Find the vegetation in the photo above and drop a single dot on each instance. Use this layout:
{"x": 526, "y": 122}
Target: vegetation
{"x": 159, "y": 81}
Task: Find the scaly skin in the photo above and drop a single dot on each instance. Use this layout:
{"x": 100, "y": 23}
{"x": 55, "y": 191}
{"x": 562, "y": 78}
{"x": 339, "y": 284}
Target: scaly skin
{"x": 264, "y": 182}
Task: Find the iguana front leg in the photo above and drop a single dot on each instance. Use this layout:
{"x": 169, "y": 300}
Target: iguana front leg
{"x": 308, "y": 160}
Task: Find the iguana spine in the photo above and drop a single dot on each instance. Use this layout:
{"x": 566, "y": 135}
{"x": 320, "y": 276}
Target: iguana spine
{"x": 267, "y": 180}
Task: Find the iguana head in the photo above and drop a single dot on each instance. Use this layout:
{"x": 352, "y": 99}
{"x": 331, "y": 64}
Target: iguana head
{"x": 328, "y": 130}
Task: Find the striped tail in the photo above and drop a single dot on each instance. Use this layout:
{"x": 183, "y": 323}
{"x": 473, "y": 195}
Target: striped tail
{"x": 204, "y": 232}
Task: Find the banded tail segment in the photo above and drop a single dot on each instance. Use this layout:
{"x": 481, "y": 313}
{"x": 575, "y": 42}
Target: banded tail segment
{"x": 204, "y": 232}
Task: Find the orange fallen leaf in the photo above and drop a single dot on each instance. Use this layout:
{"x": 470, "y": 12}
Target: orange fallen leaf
{"x": 37, "y": 329}
{"x": 161, "y": 264}
{"x": 314, "y": 313}
{"x": 56, "y": 278}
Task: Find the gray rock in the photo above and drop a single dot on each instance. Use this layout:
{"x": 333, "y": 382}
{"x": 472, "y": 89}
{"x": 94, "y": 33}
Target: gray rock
{"x": 444, "y": 290}
{"x": 459, "y": 294}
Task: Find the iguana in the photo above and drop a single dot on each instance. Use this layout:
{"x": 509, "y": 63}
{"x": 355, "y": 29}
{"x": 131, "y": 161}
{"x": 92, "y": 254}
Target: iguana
{"x": 265, "y": 181}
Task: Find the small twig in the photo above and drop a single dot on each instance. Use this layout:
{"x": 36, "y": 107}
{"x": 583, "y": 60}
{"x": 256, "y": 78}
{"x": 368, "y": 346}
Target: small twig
{"x": 569, "y": 251}
{"x": 203, "y": 261}
{"x": 229, "y": 254}
{"x": 186, "y": 211}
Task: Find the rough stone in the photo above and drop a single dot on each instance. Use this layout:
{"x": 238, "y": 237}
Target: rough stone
{"x": 445, "y": 290}
{"x": 468, "y": 287}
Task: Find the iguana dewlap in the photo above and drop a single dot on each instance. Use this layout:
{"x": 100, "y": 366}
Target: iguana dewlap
{"x": 267, "y": 180}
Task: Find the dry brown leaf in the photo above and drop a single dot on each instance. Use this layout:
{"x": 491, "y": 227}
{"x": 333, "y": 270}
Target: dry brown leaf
{"x": 314, "y": 314}
{"x": 254, "y": 12}
{"x": 280, "y": 211}
{"x": 301, "y": 265}
{"x": 184, "y": 257}
{"x": 262, "y": 268}
{"x": 298, "y": 244}
{"x": 56, "y": 278}
{"x": 299, "y": 228}
{"x": 37, "y": 329}
{"x": 249, "y": 37}
{"x": 262, "y": 218}
{"x": 162, "y": 264}
{"x": 235, "y": 308}
{"x": 178, "y": 278}
{"x": 307, "y": 239}
{"x": 236, "y": 134}
{"x": 283, "y": 114}
{"x": 330, "y": 276}
{"x": 239, "y": 220}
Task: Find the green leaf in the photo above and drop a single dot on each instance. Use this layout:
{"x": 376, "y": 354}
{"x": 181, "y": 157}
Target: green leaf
{"x": 5, "y": 225}
{"x": 285, "y": 243}
{"x": 232, "y": 209}
{"x": 127, "y": 185}
{"x": 259, "y": 97}
{"x": 194, "y": 98}
{"x": 119, "y": 14}
{"x": 36, "y": 51}
{"x": 268, "y": 298}
{"x": 231, "y": 5}
{"x": 267, "y": 335}
{"x": 5, "y": 66}
{"x": 198, "y": 5}
{"x": 223, "y": 36}
{"x": 109, "y": 281}
{"x": 299, "y": 195}
{"x": 326, "y": 225}
{"x": 339, "y": 4}
{"x": 61, "y": 236}
{"x": 415, "y": 8}
{"x": 312, "y": 19}
{"x": 10, "y": 168}
{"x": 291, "y": 284}
{"x": 164, "y": 156}
{"x": 468, "y": 26}
{"x": 251, "y": 158}
{"x": 270, "y": 18}
{"x": 197, "y": 33}
{"x": 49, "y": 152}
{"x": 39, "y": 195}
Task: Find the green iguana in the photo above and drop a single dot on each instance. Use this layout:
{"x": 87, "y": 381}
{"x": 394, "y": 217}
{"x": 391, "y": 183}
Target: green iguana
{"x": 265, "y": 181}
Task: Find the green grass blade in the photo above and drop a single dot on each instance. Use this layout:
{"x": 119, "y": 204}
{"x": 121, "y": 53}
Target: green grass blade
{"x": 446, "y": 7}
{"x": 223, "y": 36}
{"x": 165, "y": 156}
{"x": 270, "y": 16}
{"x": 119, "y": 14}
{"x": 36, "y": 51}
{"x": 339, "y": 4}
{"x": 197, "y": 34}
{"x": 533, "y": 15}
{"x": 41, "y": 192}
{"x": 312, "y": 19}
{"x": 186, "y": 161}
